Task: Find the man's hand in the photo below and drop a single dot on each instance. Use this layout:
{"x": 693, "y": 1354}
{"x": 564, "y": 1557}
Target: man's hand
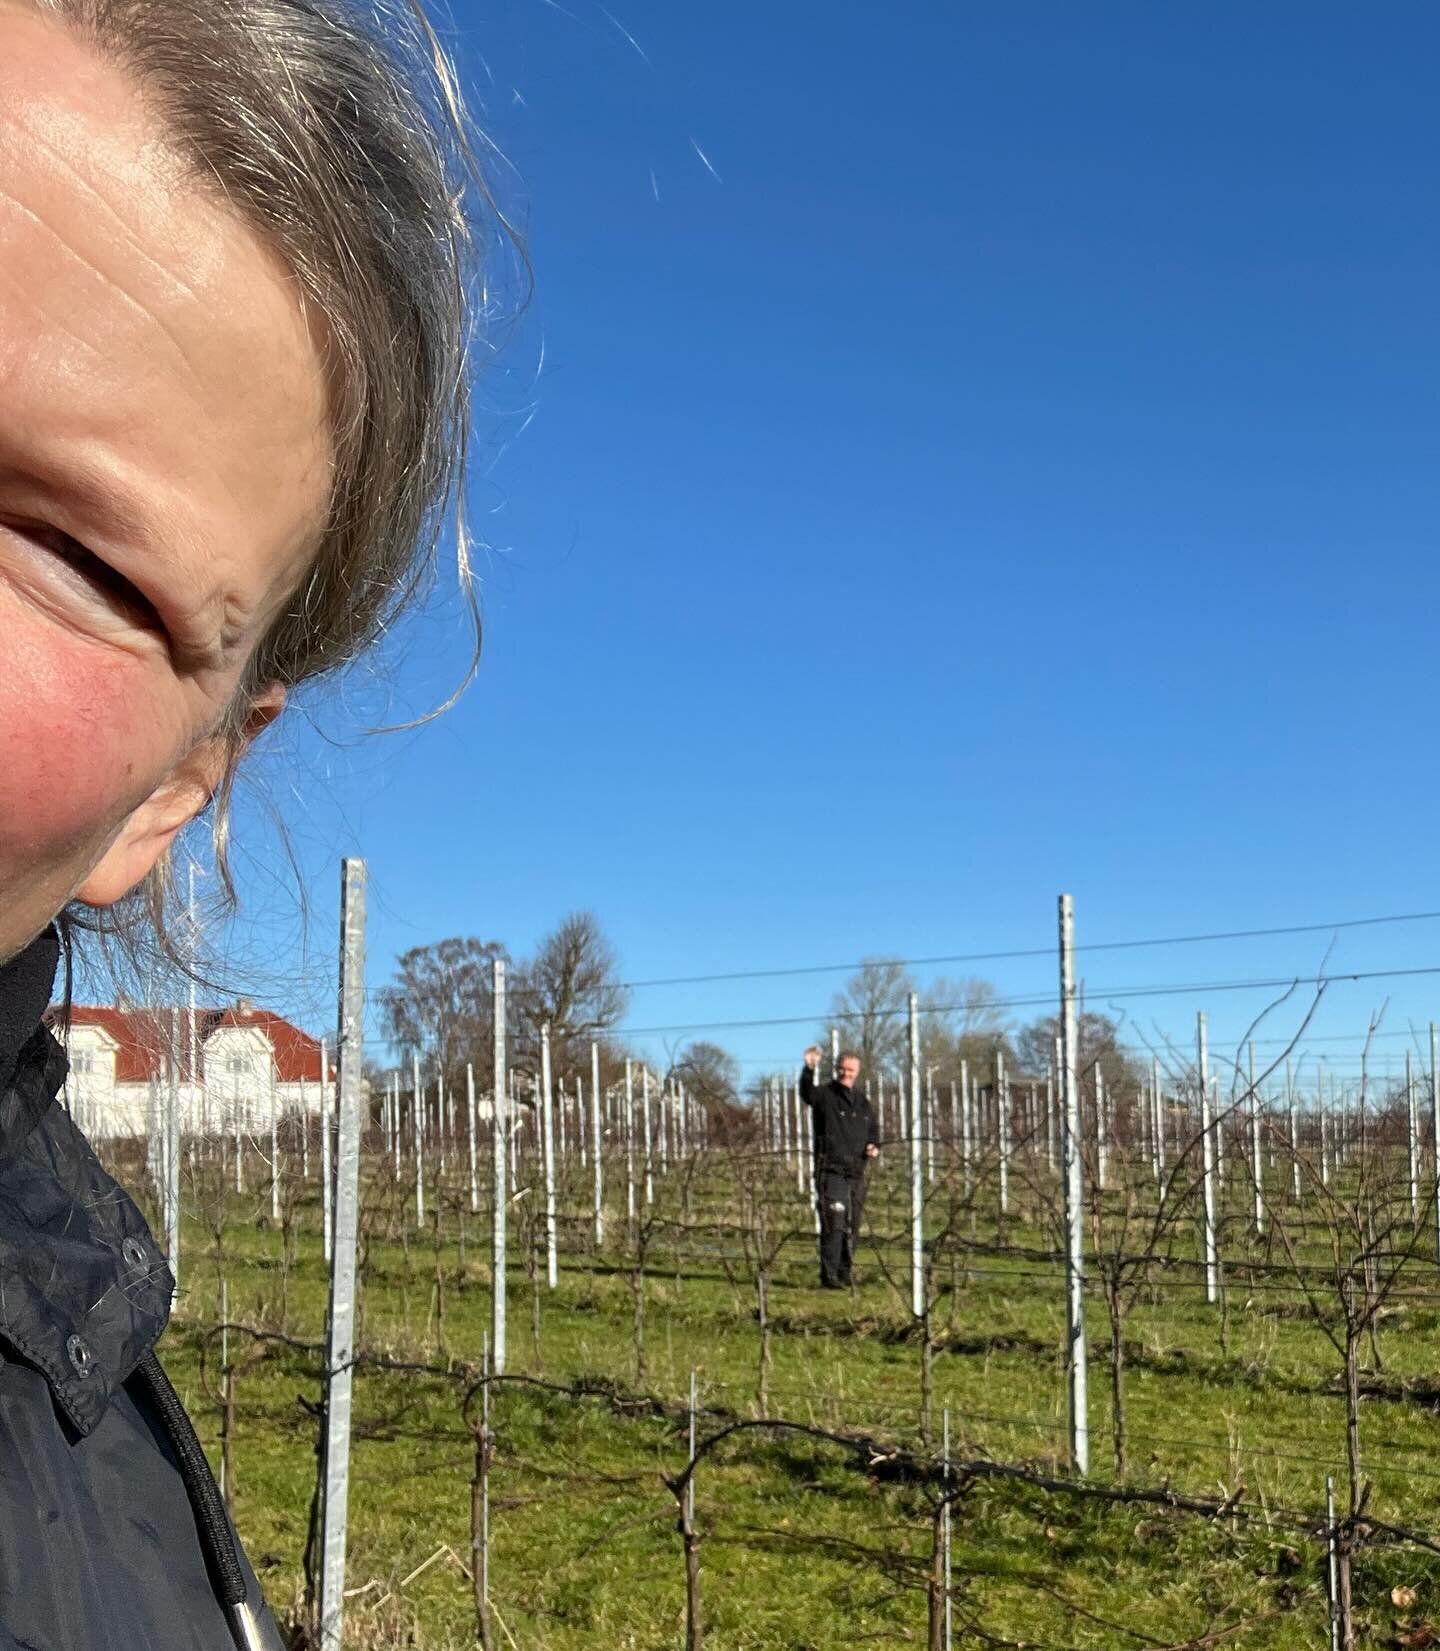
{"x": 812, "y": 1056}
{"x": 871, "y": 1150}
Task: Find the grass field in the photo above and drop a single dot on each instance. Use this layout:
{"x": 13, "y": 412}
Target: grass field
{"x": 806, "y": 1541}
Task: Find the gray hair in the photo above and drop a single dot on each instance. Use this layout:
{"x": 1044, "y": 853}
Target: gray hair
{"x": 336, "y": 130}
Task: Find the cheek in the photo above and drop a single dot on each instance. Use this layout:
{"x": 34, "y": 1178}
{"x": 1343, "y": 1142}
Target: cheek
{"x": 82, "y": 741}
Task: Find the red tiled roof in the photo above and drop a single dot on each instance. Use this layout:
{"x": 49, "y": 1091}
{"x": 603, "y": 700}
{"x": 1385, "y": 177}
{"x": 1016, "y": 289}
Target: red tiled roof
{"x": 143, "y": 1038}
{"x": 297, "y": 1054}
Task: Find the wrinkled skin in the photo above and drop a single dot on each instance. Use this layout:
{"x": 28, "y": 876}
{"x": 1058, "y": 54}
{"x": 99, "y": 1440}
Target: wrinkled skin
{"x": 163, "y": 475}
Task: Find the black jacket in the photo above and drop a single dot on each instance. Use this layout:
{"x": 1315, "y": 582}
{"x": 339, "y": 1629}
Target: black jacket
{"x": 112, "y": 1536}
{"x": 844, "y": 1124}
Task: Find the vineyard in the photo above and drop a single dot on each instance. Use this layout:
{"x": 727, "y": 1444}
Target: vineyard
{"x": 681, "y": 1441}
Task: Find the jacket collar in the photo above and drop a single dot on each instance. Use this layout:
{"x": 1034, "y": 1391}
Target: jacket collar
{"x": 26, "y": 983}
{"x": 84, "y": 1291}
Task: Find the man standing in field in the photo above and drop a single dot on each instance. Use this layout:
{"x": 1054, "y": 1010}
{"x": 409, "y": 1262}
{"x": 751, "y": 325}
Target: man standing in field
{"x": 846, "y": 1134}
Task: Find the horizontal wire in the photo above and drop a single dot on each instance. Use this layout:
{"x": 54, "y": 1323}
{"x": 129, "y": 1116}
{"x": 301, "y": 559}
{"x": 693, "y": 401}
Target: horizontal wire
{"x": 1109, "y": 993}
{"x": 1005, "y": 955}
{"x": 1031, "y": 951}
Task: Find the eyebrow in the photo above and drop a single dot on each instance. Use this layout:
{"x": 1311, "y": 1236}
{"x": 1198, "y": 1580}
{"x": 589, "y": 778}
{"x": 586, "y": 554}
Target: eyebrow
{"x": 75, "y": 482}
{"x": 101, "y": 500}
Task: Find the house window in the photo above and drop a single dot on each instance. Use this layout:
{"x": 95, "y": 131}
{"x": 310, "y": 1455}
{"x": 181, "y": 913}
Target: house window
{"x": 237, "y": 1063}
{"x": 82, "y": 1060}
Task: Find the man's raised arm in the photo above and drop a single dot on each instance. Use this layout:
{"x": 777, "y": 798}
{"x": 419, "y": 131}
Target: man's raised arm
{"x": 808, "y": 1075}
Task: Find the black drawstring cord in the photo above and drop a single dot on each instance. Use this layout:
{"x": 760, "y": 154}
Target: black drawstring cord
{"x": 200, "y": 1484}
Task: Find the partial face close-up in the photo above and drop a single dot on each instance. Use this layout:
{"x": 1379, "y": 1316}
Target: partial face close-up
{"x": 163, "y": 475}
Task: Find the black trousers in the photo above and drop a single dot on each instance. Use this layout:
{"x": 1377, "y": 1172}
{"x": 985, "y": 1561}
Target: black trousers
{"x": 840, "y": 1195}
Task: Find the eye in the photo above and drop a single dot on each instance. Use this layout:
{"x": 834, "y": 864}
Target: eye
{"x": 118, "y": 591}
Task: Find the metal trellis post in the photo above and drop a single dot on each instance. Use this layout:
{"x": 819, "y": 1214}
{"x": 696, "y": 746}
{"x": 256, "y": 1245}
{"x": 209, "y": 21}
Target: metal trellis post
{"x": 1102, "y": 1131}
{"x": 917, "y": 1177}
{"x": 498, "y": 1121}
{"x": 417, "y": 1117}
{"x": 1257, "y": 1173}
{"x": 1435, "y": 1132}
{"x": 339, "y": 1350}
{"x": 596, "y": 1141}
{"x": 945, "y": 1540}
{"x": 1207, "y": 1151}
{"x": 1074, "y": 1198}
{"x": 1413, "y": 1120}
{"x": 470, "y": 1126}
{"x": 547, "y": 1126}
{"x": 645, "y": 1110}
{"x": 630, "y": 1141}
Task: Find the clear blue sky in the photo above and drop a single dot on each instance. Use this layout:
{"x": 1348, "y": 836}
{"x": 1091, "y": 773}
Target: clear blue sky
{"x": 1014, "y": 467}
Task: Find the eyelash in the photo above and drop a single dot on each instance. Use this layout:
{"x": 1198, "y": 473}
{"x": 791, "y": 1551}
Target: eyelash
{"x": 100, "y": 573}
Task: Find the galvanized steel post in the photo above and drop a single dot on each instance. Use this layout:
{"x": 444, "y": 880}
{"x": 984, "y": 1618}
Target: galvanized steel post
{"x": 417, "y": 1119}
{"x": 1207, "y": 1154}
{"x": 498, "y": 1121}
{"x": 917, "y": 1177}
{"x": 1075, "y": 1351}
{"x": 547, "y": 1142}
{"x": 1435, "y": 1132}
{"x": 649, "y": 1143}
{"x": 1102, "y": 1131}
{"x": 274, "y": 1146}
{"x": 630, "y": 1141}
{"x": 1257, "y": 1169}
{"x": 947, "y": 1635}
{"x": 1294, "y": 1132}
{"x": 327, "y": 1157}
{"x": 1414, "y": 1138}
{"x": 470, "y": 1124}
{"x": 596, "y": 1141}
{"x": 339, "y": 1349}
{"x": 172, "y": 1161}
{"x": 1050, "y": 1103}
{"x": 1332, "y": 1565}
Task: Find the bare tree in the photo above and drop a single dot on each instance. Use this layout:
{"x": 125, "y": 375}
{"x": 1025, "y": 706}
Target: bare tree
{"x": 573, "y": 984}
{"x": 960, "y": 1020}
{"x": 710, "y": 1073}
{"x": 1099, "y": 1038}
{"x": 440, "y": 1006}
{"x": 869, "y": 1009}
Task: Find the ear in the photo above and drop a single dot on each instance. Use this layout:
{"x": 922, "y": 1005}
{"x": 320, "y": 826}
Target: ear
{"x": 150, "y": 829}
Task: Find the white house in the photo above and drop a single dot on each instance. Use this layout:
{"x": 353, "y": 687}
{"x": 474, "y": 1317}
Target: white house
{"x": 231, "y": 1068}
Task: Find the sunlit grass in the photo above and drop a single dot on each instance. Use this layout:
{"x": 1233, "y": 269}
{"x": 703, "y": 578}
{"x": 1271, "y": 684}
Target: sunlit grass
{"x": 802, "y": 1546}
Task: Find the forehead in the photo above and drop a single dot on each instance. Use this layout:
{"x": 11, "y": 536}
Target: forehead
{"x": 155, "y": 359}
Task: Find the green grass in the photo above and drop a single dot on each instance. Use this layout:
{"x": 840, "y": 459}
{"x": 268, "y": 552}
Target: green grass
{"x": 803, "y": 1545}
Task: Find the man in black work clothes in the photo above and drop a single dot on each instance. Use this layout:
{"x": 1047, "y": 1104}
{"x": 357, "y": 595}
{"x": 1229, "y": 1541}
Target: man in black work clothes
{"x": 846, "y": 1134}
